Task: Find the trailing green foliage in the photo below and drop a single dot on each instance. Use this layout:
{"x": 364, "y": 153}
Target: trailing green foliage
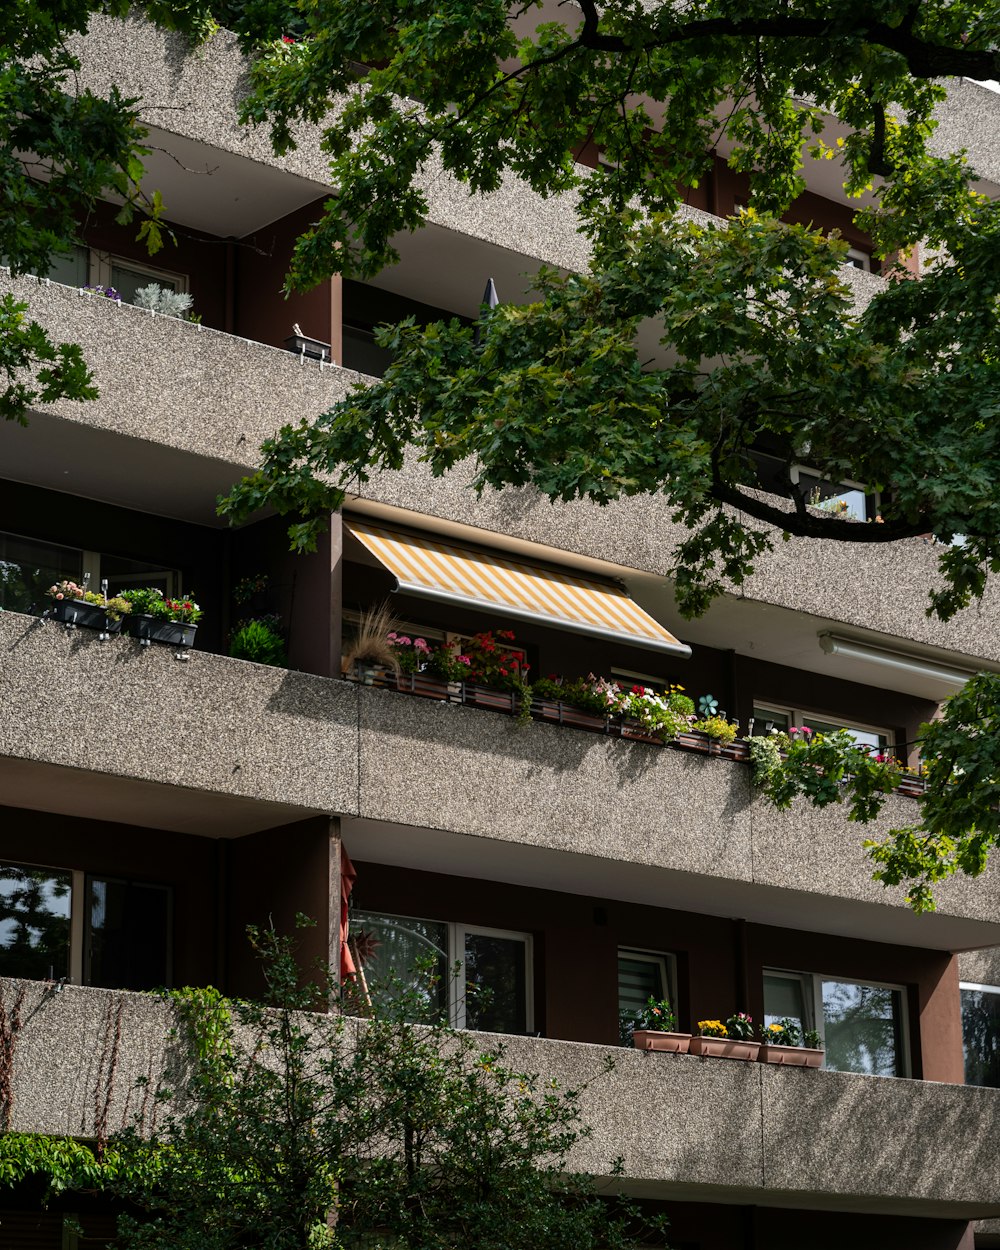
{"x": 296, "y": 1131}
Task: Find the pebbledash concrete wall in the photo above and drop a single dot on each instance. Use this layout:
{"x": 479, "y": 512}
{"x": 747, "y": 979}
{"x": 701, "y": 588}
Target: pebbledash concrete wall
{"x": 686, "y": 1127}
{"x": 216, "y": 396}
{"x": 227, "y": 727}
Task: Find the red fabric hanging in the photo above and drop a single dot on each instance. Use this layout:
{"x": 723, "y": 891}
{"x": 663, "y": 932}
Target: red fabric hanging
{"x": 348, "y": 875}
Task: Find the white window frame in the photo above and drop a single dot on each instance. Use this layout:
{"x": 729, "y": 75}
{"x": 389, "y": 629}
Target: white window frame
{"x": 101, "y": 264}
{"x": 458, "y": 933}
{"x": 667, "y": 961}
{"x": 798, "y": 716}
{"x": 858, "y": 259}
{"x": 799, "y": 471}
{"x": 812, "y": 999}
{"x": 657, "y": 684}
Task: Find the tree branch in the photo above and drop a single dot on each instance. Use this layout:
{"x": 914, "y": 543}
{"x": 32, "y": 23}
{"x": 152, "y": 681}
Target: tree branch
{"x": 924, "y": 59}
{"x": 803, "y": 524}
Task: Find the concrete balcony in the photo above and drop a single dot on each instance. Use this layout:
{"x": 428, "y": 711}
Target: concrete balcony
{"x": 217, "y": 746}
{"x": 182, "y": 412}
{"x": 687, "y": 1128}
{"x": 213, "y": 746}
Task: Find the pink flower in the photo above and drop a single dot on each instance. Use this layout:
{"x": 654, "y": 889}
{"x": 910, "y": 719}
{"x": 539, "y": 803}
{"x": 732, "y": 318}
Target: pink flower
{"x": 807, "y": 731}
{"x": 420, "y": 644}
{"x": 404, "y": 641}
{"x": 462, "y": 659}
{"x": 393, "y": 637}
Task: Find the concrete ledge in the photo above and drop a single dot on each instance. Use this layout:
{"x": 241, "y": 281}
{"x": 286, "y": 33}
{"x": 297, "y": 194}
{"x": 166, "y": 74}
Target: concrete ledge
{"x": 166, "y": 381}
{"x": 685, "y": 1127}
{"x": 84, "y": 719}
{"x": 211, "y": 724}
{"x": 665, "y": 824}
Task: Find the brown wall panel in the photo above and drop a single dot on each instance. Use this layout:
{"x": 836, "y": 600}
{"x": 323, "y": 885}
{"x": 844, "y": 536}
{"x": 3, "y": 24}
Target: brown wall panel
{"x": 272, "y": 877}
{"x": 577, "y": 940}
{"x": 262, "y": 312}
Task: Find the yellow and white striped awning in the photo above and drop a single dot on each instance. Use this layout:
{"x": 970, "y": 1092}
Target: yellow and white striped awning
{"x": 436, "y": 569}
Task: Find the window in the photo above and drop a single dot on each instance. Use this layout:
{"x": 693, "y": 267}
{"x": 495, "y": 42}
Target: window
{"x": 121, "y": 940}
{"x": 71, "y": 268}
{"x": 28, "y": 568}
{"x": 843, "y": 499}
{"x": 494, "y": 960}
{"x": 862, "y": 1023}
{"x": 127, "y": 276}
{"x": 643, "y": 975}
{"x": 766, "y": 718}
{"x": 858, "y": 259}
{"x": 981, "y": 1034}
{"x": 128, "y": 934}
{"x": 35, "y": 908}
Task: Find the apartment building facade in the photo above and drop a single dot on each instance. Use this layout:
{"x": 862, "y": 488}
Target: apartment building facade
{"x": 157, "y": 800}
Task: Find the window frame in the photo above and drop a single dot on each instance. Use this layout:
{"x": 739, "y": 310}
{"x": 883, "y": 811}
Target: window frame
{"x": 667, "y": 961}
{"x": 812, "y": 1000}
{"x": 456, "y": 931}
{"x": 798, "y": 716}
{"x": 979, "y": 988}
{"x": 798, "y": 471}
{"x": 102, "y": 262}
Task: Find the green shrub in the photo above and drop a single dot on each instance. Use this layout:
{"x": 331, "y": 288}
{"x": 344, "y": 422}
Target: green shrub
{"x": 259, "y": 641}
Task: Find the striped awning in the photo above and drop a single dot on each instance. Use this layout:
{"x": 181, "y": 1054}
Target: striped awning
{"x": 444, "y": 571}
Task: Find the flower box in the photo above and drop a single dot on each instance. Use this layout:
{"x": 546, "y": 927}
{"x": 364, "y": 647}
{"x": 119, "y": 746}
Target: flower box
{"x": 791, "y": 1056}
{"x": 724, "y": 1048}
{"x": 149, "y": 629}
{"x": 636, "y": 732}
{"x": 74, "y": 612}
{"x": 655, "y": 1039}
{"x": 498, "y": 700}
{"x": 560, "y": 713}
{"x": 427, "y": 686}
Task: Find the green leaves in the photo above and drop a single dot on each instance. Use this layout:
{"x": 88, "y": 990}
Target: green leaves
{"x": 35, "y": 370}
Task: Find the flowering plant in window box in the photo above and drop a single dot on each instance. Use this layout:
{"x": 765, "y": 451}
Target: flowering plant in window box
{"x": 411, "y": 654}
{"x": 155, "y": 618}
{"x": 732, "y": 1040}
{"x": 653, "y": 1028}
{"x": 784, "y": 1043}
{"x": 75, "y": 605}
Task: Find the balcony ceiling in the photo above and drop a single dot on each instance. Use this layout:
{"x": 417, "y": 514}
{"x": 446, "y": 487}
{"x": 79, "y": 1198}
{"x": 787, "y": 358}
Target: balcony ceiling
{"x": 460, "y": 855}
{"x": 209, "y": 189}
{"x": 44, "y": 787}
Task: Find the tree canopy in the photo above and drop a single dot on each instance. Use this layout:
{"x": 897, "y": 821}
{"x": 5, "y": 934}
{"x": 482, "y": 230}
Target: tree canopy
{"x": 759, "y": 346}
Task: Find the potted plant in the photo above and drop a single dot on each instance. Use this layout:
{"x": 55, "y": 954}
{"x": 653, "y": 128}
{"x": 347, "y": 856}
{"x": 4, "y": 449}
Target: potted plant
{"x": 784, "y": 1043}
{"x": 155, "y": 618}
{"x": 261, "y": 641}
{"x": 732, "y": 1040}
{"x": 75, "y": 605}
{"x": 652, "y": 1028}
{"x": 371, "y": 653}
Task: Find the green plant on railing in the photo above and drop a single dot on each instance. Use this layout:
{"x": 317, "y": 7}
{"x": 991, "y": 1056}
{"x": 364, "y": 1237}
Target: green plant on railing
{"x": 717, "y": 728}
{"x": 740, "y": 1026}
{"x": 765, "y": 759}
{"x": 260, "y": 641}
{"x": 827, "y": 768}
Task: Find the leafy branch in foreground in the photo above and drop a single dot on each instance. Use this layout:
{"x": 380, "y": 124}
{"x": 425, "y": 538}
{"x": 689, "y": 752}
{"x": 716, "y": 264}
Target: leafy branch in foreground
{"x": 959, "y": 811}
{"x": 298, "y": 1131}
{"x": 559, "y": 395}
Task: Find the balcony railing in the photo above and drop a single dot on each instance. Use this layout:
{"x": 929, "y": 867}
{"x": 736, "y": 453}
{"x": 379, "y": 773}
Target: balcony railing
{"x": 556, "y": 712}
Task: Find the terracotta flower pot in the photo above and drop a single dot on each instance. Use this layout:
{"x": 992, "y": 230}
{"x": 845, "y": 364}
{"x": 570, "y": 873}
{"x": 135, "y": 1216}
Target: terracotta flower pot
{"x": 791, "y": 1056}
{"x": 654, "y": 1039}
{"x": 723, "y": 1048}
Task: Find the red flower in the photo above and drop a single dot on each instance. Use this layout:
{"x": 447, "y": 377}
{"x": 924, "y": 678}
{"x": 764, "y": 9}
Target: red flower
{"x": 287, "y": 39}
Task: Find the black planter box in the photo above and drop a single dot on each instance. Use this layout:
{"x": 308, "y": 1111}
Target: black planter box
{"x": 73, "y": 612}
{"x": 312, "y": 349}
{"x": 154, "y": 629}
